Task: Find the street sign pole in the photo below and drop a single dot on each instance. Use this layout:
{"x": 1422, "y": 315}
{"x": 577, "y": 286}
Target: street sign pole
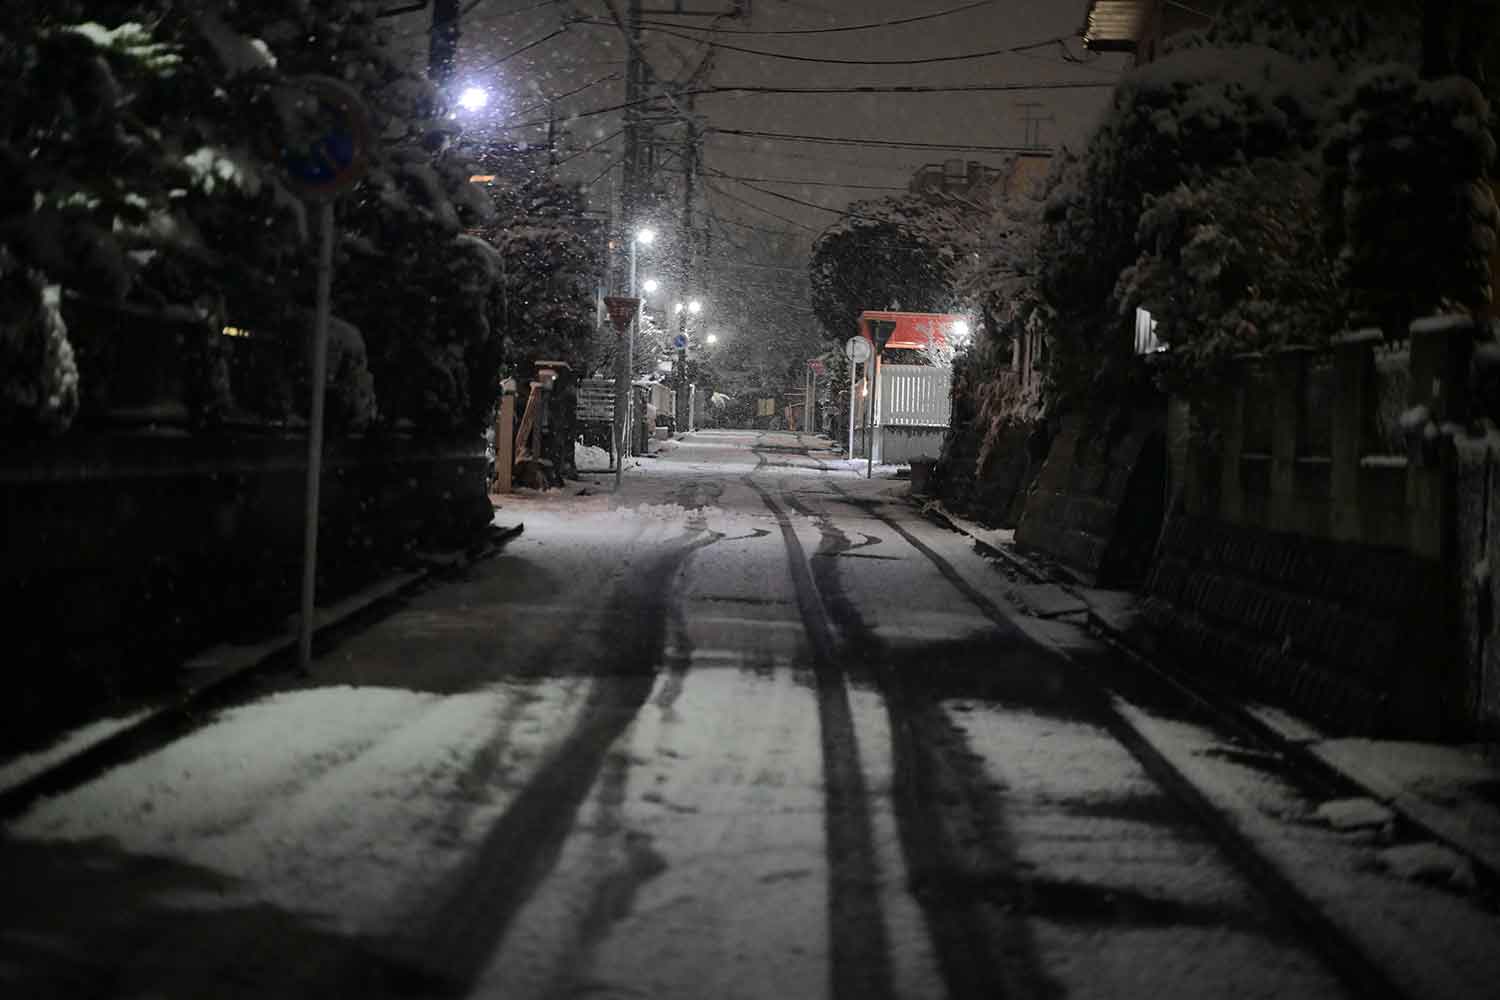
{"x": 880, "y": 334}
{"x": 315, "y": 434}
{"x": 333, "y": 161}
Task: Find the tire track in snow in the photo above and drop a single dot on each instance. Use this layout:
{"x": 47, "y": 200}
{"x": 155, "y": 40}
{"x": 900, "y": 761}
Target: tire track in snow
{"x": 954, "y": 839}
{"x": 1344, "y": 957}
{"x": 861, "y": 966}
{"x": 453, "y": 942}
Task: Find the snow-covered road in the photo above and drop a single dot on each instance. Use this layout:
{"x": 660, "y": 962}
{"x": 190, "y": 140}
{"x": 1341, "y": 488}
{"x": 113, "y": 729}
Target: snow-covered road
{"x": 750, "y": 728}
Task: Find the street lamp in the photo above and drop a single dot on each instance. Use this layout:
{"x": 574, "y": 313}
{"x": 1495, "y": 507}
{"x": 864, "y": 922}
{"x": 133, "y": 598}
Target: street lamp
{"x": 650, "y": 286}
{"x": 695, "y": 307}
{"x": 474, "y": 99}
{"x": 645, "y": 236}
{"x": 712, "y": 338}
{"x": 678, "y": 307}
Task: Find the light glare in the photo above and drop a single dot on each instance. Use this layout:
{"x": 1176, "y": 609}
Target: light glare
{"x": 474, "y": 98}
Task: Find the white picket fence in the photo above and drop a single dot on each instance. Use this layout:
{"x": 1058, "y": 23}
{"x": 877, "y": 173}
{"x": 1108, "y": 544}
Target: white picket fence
{"x": 914, "y": 396}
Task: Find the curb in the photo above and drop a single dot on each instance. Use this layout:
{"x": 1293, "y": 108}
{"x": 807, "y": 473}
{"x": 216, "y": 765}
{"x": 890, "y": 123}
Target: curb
{"x": 1302, "y": 746}
{"x": 215, "y": 671}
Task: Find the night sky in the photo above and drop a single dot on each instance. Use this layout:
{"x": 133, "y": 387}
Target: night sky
{"x": 594, "y": 54}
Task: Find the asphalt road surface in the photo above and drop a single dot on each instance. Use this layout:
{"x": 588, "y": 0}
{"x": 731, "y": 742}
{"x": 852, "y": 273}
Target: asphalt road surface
{"x": 751, "y": 728}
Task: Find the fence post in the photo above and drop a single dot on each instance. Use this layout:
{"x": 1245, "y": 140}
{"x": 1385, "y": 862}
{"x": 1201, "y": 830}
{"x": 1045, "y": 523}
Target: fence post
{"x": 505, "y": 436}
{"x": 1287, "y": 374}
{"x": 1231, "y": 489}
{"x": 1351, "y": 403}
{"x": 1439, "y": 361}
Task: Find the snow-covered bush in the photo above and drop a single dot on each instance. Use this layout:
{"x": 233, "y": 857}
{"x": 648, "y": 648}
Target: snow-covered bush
{"x": 1228, "y": 264}
{"x": 1411, "y": 210}
{"x": 38, "y": 379}
{"x": 190, "y": 107}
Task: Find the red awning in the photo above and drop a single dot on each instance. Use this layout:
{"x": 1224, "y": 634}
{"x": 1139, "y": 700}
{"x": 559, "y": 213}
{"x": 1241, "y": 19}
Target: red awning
{"x": 915, "y": 330}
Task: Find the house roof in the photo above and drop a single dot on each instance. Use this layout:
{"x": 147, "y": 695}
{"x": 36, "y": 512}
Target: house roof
{"x": 1115, "y": 25}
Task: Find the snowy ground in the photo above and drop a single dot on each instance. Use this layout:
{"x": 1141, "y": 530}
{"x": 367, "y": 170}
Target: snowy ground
{"x": 747, "y": 728}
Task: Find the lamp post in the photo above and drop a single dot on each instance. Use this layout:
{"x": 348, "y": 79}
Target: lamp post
{"x": 683, "y": 404}
{"x": 641, "y": 237}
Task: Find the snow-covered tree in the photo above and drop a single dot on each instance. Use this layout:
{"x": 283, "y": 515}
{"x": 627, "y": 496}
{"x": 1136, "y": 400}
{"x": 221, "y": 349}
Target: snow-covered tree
{"x": 909, "y": 252}
{"x": 1411, "y": 209}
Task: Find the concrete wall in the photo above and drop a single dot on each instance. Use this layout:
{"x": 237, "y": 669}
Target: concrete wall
{"x": 1096, "y": 506}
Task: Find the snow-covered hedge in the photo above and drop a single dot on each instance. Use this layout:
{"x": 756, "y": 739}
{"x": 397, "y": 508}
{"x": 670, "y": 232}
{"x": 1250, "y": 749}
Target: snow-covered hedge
{"x": 141, "y": 163}
{"x": 1411, "y": 207}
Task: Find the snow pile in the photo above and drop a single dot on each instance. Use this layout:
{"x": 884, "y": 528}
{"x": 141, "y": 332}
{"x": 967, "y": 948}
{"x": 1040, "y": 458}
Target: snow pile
{"x": 1354, "y": 814}
{"x": 1429, "y": 863}
{"x": 587, "y": 458}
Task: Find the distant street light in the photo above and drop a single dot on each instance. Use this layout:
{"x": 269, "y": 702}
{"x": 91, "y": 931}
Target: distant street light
{"x": 961, "y": 330}
{"x": 713, "y": 338}
{"x": 474, "y": 99}
{"x": 651, "y": 285}
{"x": 646, "y": 236}
{"x": 695, "y": 307}
{"x": 678, "y": 307}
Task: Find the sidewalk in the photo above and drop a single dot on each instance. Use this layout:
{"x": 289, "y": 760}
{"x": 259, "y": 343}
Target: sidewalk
{"x": 1450, "y": 792}
{"x": 29, "y": 775}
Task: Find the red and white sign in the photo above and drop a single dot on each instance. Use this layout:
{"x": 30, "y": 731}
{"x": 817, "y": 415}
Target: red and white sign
{"x": 816, "y": 366}
{"x": 621, "y": 311}
{"x": 916, "y": 331}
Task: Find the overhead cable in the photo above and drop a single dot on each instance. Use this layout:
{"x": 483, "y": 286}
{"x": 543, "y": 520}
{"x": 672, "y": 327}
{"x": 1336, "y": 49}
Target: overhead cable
{"x": 831, "y": 61}
{"x": 868, "y": 26}
{"x": 878, "y": 143}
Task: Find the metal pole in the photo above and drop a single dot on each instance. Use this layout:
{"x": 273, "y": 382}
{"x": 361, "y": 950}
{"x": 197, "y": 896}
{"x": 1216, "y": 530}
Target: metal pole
{"x": 869, "y": 420}
{"x": 853, "y": 367}
{"x": 315, "y": 435}
{"x": 630, "y": 359}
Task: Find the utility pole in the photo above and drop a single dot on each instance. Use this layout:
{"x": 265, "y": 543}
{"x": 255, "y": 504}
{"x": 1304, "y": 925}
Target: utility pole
{"x": 629, "y": 204}
{"x": 685, "y": 249}
{"x": 442, "y": 52}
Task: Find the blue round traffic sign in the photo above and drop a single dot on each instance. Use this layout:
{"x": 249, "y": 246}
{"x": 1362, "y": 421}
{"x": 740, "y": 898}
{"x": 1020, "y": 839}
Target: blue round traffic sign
{"x": 330, "y": 154}
{"x": 680, "y": 341}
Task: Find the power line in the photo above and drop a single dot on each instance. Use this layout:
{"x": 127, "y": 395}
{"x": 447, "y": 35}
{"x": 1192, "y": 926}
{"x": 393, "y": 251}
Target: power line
{"x": 824, "y": 31}
{"x": 764, "y": 211}
{"x": 563, "y": 96}
{"x": 800, "y": 180}
{"x": 878, "y": 143}
{"x": 513, "y": 54}
{"x": 589, "y": 148}
{"x": 829, "y": 61}
{"x": 967, "y": 88}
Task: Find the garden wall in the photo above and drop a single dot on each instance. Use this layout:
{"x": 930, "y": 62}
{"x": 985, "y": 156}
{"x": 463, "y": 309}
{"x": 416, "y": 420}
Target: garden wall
{"x": 1097, "y": 503}
{"x": 1325, "y": 552}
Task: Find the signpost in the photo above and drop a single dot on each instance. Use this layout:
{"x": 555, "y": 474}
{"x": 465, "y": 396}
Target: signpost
{"x": 622, "y": 312}
{"x": 857, "y": 350}
{"x": 329, "y": 157}
{"x": 880, "y": 333}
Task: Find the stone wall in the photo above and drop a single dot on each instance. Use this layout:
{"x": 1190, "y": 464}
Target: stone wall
{"x": 1098, "y": 500}
{"x": 1349, "y": 633}
{"x": 1327, "y": 542}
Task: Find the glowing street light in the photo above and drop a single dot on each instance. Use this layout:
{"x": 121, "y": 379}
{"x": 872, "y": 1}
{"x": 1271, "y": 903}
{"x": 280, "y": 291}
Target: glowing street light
{"x": 695, "y": 307}
{"x": 474, "y": 99}
{"x": 961, "y": 330}
{"x": 646, "y": 236}
{"x": 678, "y": 307}
{"x": 712, "y": 338}
{"x": 651, "y": 285}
